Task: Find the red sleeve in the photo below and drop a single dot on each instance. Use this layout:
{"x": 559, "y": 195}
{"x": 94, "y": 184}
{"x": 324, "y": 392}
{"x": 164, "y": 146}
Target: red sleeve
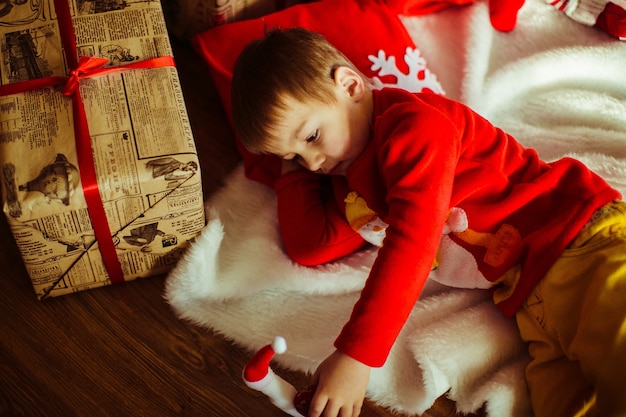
{"x": 417, "y": 158}
{"x": 312, "y": 224}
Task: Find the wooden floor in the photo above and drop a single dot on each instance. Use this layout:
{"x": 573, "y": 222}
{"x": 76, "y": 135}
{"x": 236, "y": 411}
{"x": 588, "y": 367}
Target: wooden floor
{"x": 120, "y": 351}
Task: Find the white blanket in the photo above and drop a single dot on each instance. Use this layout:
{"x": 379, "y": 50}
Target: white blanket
{"x": 556, "y": 85}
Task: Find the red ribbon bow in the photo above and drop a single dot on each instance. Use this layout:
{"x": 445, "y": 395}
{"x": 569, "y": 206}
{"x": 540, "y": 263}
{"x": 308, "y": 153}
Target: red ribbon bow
{"x": 88, "y": 66}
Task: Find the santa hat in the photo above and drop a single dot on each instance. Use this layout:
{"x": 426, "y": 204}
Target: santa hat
{"x": 258, "y": 375}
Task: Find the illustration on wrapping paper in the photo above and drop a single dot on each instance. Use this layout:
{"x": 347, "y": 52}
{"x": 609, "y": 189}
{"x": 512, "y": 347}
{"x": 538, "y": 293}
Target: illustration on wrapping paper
{"x": 171, "y": 169}
{"x": 20, "y": 12}
{"x": 117, "y": 54}
{"x": 30, "y": 53}
{"x": 56, "y": 181}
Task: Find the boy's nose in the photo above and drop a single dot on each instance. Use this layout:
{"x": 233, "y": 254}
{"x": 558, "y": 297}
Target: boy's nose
{"x": 313, "y": 162}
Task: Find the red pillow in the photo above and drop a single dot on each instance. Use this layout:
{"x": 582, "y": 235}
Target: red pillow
{"x": 366, "y": 31}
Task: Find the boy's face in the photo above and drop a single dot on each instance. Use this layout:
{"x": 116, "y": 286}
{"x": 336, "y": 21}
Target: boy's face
{"x": 324, "y": 138}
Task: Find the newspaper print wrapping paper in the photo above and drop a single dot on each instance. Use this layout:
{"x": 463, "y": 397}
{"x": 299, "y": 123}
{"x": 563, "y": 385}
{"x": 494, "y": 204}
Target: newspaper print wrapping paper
{"x": 148, "y": 188}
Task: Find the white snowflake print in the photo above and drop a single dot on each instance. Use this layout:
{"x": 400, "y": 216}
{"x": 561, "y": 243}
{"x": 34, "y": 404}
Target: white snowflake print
{"x": 419, "y": 79}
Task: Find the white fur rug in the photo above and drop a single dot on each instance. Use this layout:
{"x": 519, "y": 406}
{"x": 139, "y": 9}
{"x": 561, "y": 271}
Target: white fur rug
{"x": 556, "y": 85}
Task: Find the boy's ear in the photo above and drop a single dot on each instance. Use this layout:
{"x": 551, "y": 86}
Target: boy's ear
{"x": 350, "y": 81}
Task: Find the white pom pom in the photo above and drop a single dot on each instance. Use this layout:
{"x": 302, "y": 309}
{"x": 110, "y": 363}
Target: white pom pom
{"x": 457, "y": 221}
{"x": 279, "y": 345}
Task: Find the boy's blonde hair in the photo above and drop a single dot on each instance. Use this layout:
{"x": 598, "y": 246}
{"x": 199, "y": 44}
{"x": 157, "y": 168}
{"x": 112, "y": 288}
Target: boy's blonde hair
{"x": 294, "y": 63}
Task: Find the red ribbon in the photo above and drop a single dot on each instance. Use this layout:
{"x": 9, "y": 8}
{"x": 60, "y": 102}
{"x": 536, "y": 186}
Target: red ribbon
{"x": 86, "y": 67}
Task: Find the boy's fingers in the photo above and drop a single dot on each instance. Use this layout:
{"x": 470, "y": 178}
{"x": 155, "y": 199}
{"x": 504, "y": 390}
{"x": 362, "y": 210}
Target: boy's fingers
{"x": 321, "y": 406}
{"x": 330, "y": 410}
{"x": 318, "y": 404}
{"x": 346, "y": 412}
{"x": 325, "y": 408}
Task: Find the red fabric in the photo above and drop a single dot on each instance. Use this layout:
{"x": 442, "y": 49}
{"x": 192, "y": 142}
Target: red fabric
{"x": 423, "y": 7}
{"x": 429, "y": 154}
{"x": 503, "y": 13}
{"x": 612, "y": 20}
{"x": 313, "y": 228}
{"x": 358, "y": 28}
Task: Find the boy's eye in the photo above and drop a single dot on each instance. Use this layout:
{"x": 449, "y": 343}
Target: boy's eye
{"x": 313, "y": 137}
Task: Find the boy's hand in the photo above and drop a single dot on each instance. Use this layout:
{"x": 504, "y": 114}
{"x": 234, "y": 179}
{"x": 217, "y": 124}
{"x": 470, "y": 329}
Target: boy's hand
{"x": 341, "y": 384}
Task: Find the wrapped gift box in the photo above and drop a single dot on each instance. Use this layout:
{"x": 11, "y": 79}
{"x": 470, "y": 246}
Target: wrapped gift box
{"x": 100, "y": 177}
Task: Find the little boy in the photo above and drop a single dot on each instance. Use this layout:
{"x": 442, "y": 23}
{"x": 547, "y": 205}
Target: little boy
{"x": 548, "y": 238}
